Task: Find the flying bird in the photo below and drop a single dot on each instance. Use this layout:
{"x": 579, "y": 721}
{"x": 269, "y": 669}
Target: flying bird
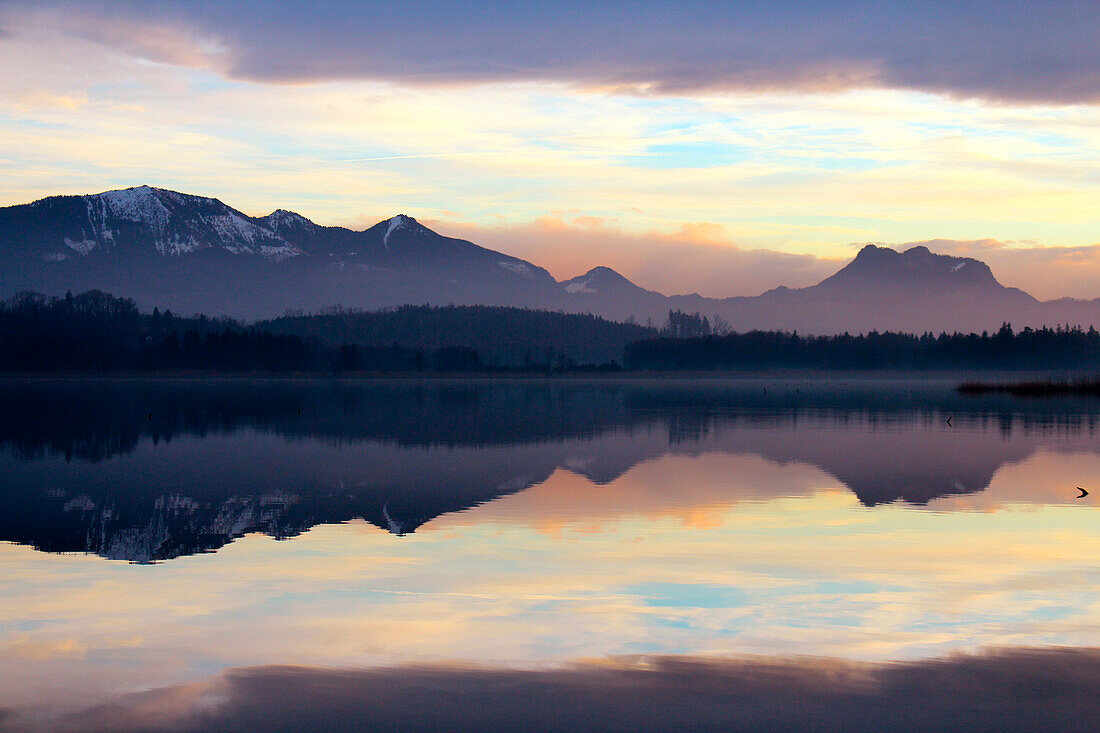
{"x": 1083, "y": 493}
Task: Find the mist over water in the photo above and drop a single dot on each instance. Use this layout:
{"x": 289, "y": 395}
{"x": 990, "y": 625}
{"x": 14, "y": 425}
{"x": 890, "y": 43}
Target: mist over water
{"x": 164, "y": 542}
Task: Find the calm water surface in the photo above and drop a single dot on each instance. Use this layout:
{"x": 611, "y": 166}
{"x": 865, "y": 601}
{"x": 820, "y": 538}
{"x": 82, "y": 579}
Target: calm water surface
{"x": 156, "y": 533}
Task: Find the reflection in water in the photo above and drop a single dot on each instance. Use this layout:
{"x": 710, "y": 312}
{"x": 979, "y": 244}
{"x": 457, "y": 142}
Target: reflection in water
{"x": 154, "y": 470}
{"x": 542, "y": 524}
{"x": 1022, "y": 690}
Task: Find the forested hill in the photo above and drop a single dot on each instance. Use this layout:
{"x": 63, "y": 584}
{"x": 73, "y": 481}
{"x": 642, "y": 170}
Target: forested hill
{"x": 502, "y": 336}
{"x": 94, "y": 331}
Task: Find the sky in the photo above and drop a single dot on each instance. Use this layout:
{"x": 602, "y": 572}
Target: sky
{"x": 715, "y": 147}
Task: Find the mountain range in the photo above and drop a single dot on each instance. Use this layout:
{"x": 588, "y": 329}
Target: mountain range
{"x": 196, "y": 254}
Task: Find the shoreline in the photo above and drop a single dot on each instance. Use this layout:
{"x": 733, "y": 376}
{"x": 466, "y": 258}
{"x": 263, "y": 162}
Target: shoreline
{"x": 1083, "y": 386}
{"x": 988, "y": 380}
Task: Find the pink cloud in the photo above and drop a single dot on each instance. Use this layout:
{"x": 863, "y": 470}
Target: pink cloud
{"x": 702, "y": 257}
{"x": 696, "y": 257}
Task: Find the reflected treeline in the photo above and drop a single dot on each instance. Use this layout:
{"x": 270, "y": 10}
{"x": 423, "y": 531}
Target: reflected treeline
{"x": 97, "y": 419}
{"x": 151, "y": 470}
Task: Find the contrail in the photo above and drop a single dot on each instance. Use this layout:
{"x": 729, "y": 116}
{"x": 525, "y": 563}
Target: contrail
{"x": 407, "y": 157}
{"x": 500, "y": 152}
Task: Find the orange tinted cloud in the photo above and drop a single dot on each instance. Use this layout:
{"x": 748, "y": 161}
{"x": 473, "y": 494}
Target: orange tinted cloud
{"x": 696, "y": 257}
{"x": 702, "y": 257}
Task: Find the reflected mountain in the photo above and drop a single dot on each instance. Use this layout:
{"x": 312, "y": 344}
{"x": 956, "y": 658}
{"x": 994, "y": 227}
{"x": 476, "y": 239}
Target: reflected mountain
{"x": 150, "y": 470}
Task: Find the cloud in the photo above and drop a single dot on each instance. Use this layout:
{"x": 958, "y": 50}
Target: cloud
{"x": 1034, "y": 689}
{"x": 704, "y": 258}
{"x": 1006, "y": 49}
{"x": 695, "y": 257}
{"x": 154, "y": 41}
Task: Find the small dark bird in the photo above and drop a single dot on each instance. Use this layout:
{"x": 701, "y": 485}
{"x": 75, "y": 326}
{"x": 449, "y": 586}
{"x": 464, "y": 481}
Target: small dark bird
{"x": 948, "y": 421}
{"x": 1083, "y": 493}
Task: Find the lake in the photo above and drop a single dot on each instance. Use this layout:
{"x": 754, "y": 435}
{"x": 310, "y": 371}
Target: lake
{"x": 193, "y": 554}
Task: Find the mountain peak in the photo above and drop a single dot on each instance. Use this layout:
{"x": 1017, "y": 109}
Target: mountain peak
{"x": 285, "y": 214}
{"x": 169, "y": 222}
{"x": 597, "y": 280}
{"x": 401, "y": 222}
{"x": 141, "y": 203}
{"x": 877, "y": 267}
{"x": 874, "y": 251}
{"x": 281, "y": 221}
{"x": 147, "y": 193}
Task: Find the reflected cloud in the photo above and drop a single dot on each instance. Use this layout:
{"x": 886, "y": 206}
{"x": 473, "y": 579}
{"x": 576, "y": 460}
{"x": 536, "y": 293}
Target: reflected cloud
{"x": 1017, "y": 689}
{"x": 816, "y": 574}
{"x": 589, "y": 519}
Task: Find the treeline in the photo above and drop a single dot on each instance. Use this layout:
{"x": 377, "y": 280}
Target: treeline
{"x": 692, "y": 325}
{"x": 1043, "y": 348}
{"x": 94, "y": 331}
{"x": 503, "y": 337}
{"x": 97, "y": 332}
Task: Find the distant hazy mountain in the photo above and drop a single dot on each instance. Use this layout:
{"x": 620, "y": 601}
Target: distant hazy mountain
{"x": 191, "y": 253}
{"x": 914, "y": 290}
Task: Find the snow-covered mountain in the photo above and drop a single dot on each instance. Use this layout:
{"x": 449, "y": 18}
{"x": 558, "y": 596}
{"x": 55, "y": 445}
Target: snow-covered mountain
{"x": 173, "y": 224}
{"x": 192, "y": 253}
